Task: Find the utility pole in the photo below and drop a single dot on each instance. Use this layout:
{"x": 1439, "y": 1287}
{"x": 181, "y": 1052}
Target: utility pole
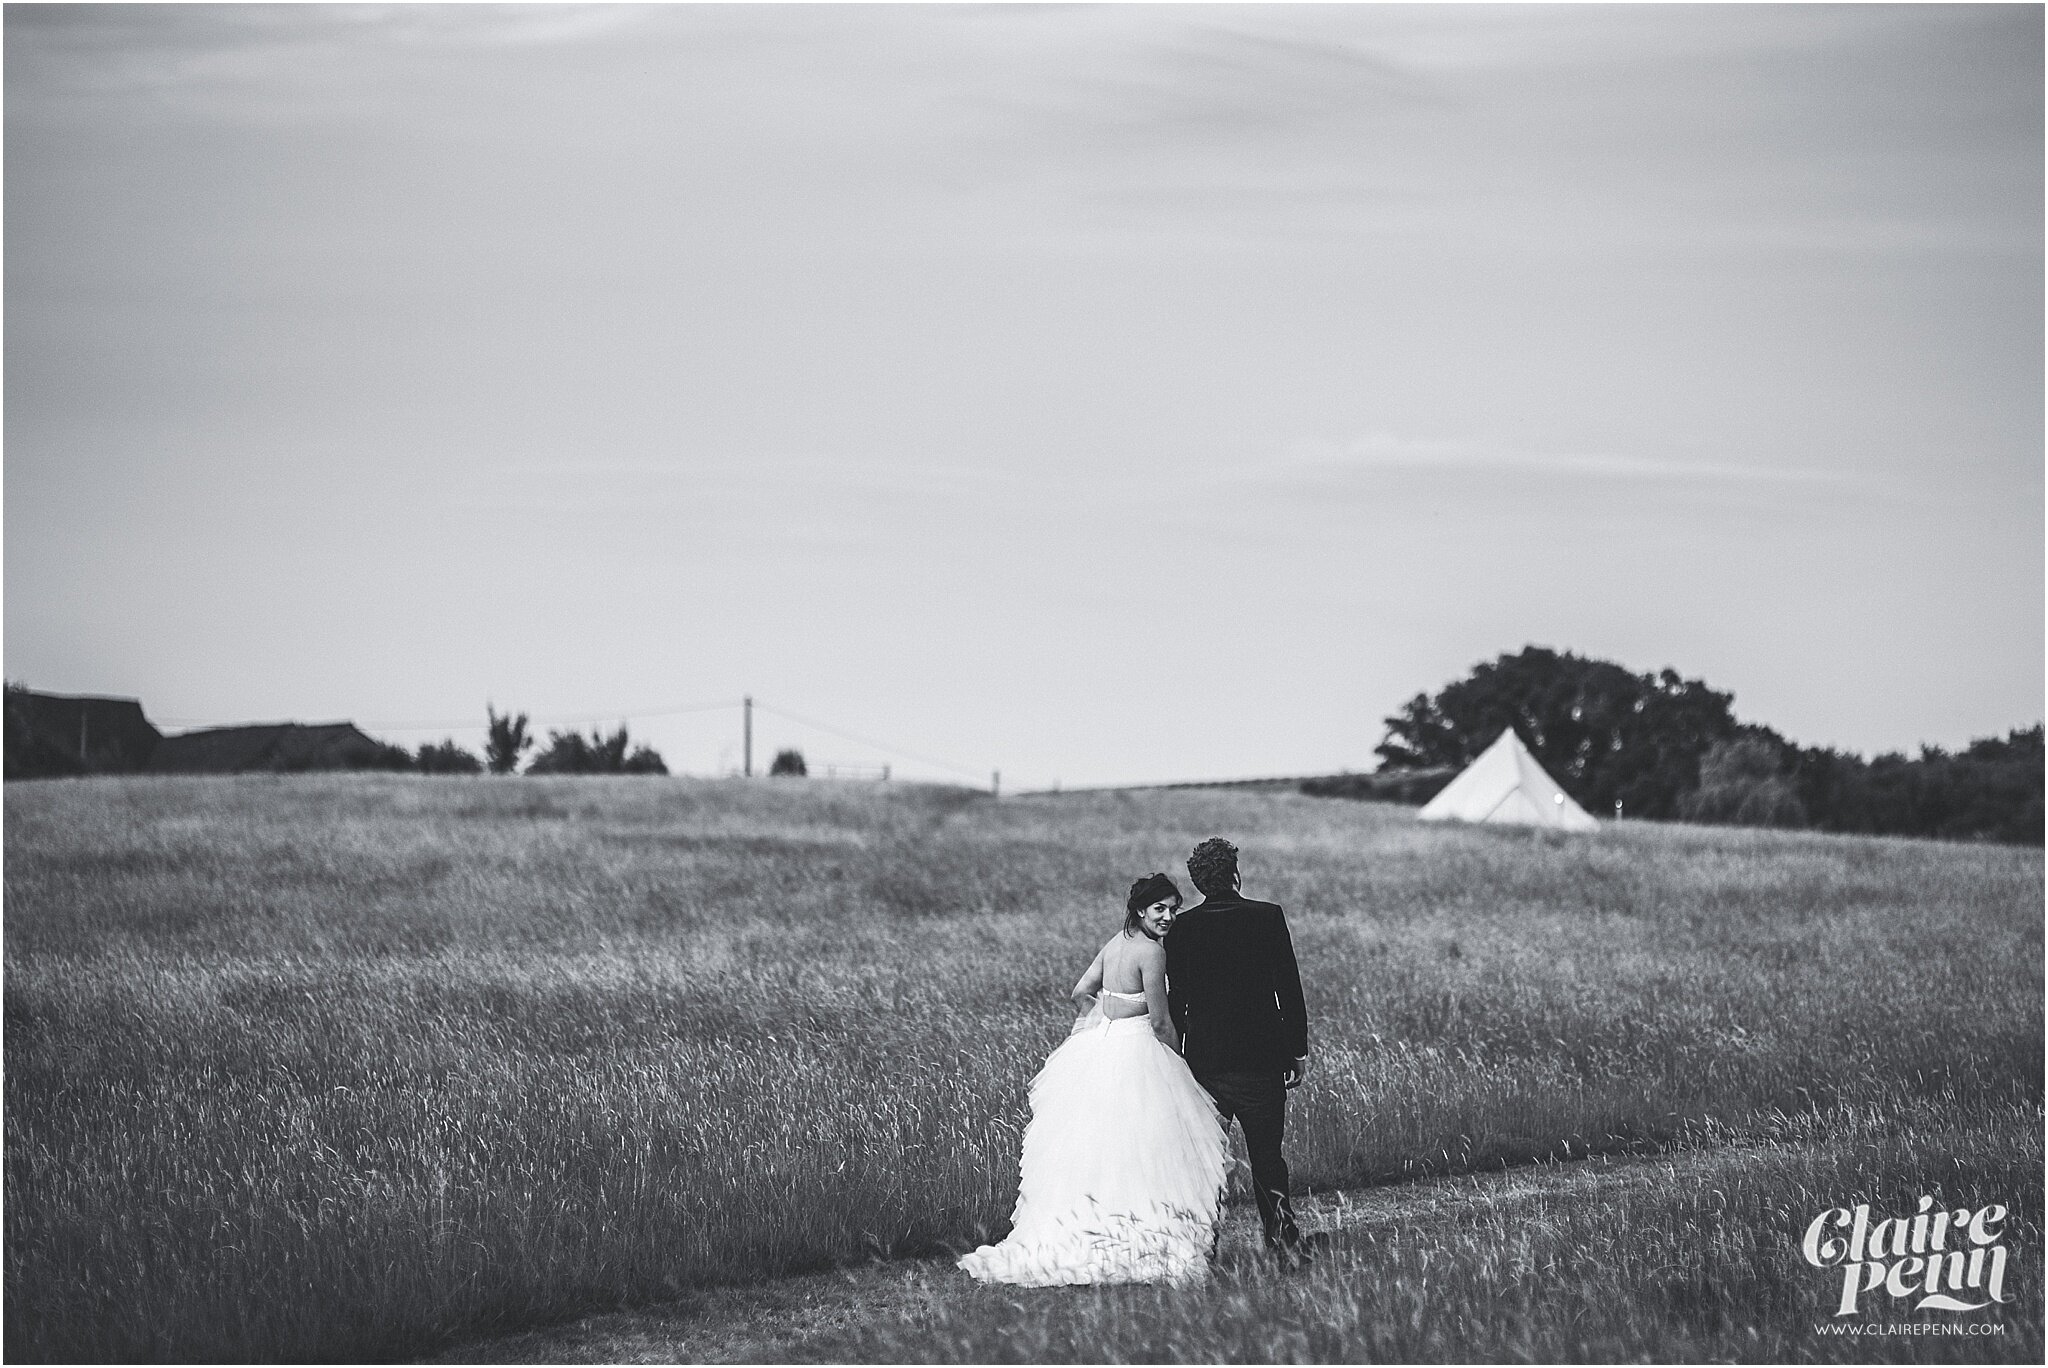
{"x": 995, "y": 783}
{"x": 82, "y": 713}
{"x": 747, "y": 736}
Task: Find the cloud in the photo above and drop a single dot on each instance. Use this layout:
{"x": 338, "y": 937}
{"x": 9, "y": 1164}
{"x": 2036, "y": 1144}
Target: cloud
{"x": 1511, "y": 129}
{"x": 1331, "y": 462}
{"x": 292, "y": 65}
{"x": 1546, "y": 129}
{"x": 813, "y": 499}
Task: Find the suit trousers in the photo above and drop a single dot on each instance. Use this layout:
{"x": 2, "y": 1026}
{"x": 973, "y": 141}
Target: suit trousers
{"x": 1258, "y": 1102}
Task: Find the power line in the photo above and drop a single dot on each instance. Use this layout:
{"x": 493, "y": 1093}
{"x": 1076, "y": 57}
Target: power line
{"x": 589, "y": 719}
{"x": 633, "y": 716}
{"x": 870, "y": 741}
{"x": 639, "y": 715}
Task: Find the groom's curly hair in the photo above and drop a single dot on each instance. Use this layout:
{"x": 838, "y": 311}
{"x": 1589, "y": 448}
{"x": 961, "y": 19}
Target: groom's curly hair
{"x": 1213, "y": 865}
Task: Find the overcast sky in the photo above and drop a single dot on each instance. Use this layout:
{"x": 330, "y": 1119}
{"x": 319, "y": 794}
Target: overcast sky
{"x": 1104, "y": 394}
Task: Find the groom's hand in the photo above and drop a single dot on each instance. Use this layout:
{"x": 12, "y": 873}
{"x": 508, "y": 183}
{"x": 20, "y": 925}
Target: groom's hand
{"x": 1295, "y": 1072}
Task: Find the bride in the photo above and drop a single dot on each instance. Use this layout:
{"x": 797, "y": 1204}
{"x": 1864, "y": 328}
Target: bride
{"x": 1125, "y": 1154}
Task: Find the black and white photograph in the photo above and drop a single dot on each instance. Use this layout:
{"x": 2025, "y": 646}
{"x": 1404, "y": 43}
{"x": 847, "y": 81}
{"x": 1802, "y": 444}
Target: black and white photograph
{"x": 1023, "y": 683}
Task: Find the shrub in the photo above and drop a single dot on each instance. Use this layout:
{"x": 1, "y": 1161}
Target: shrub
{"x": 789, "y": 762}
{"x": 570, "y": 752}
{"x": 445, "y": 757}
{"x": 508, "y": 741}
{"x": 645, "y": 760}
{"x": 1741, "y": 784}
{"x": 1992, "y": 790}
{"x": 385, "y": 757}
{"x": 1411, "y": 786}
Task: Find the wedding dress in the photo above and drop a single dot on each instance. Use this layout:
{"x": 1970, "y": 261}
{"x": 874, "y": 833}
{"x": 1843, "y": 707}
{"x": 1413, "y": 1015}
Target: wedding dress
{"x": 1123, "y": 1167}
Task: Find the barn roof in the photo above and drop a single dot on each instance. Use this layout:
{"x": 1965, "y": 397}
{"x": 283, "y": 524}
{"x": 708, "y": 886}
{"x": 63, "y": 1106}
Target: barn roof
{"x": 267, "y": 746}
{"x": 76, "y": 734}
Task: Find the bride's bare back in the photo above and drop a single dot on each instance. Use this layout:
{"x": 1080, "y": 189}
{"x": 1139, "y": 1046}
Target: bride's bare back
{"x": 1129, "y": 974}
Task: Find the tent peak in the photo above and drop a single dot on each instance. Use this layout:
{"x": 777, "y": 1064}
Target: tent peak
{"x": 1507, "y": 785}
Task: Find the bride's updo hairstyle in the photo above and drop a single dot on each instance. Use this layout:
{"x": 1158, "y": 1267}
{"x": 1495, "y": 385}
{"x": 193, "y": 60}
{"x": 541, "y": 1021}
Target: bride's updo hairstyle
{"x": 1146, "y": 891}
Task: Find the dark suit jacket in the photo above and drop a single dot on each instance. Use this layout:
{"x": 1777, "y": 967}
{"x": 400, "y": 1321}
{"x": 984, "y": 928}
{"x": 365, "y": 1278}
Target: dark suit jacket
{"x": 1233, "y": 987}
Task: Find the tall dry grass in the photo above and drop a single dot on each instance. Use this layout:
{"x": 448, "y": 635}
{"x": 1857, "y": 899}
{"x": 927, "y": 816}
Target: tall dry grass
{"x": 1684, "y": 1262}
{"x": 356, "y": 1066}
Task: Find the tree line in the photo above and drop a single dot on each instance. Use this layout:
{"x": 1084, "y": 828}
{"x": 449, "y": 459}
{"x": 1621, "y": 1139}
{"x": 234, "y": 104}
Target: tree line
{"x": 1662, "y": 746}
{"x": 507, "y": 738}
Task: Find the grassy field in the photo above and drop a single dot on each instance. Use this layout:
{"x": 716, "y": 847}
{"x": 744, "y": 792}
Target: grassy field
{"x": 350, "y": 1067}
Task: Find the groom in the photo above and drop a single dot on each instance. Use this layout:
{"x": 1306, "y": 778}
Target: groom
{"x": 1235, "y": 995}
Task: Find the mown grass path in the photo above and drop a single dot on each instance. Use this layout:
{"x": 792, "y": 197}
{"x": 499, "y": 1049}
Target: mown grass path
{"x": 812, "y": 1317}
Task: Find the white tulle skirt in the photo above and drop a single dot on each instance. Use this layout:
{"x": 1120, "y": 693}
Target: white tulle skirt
{"x": 1123, "y": 1168}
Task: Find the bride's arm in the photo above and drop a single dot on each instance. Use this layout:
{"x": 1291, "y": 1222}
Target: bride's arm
{"x": 1085, "y": 991}
{"x": 1152, "y": 977}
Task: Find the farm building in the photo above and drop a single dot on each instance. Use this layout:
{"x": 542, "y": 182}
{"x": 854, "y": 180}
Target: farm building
{"x": 53, "y": 735}
{"x": 58, "y": 734}
{"x": 273, "y": 747}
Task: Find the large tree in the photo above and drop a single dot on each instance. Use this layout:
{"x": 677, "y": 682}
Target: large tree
{"x": 1603, "y": 732}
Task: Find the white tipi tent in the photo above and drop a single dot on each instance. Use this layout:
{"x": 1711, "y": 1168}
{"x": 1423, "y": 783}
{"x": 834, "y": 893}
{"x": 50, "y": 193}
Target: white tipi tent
{"x": 1505, "y": 784}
